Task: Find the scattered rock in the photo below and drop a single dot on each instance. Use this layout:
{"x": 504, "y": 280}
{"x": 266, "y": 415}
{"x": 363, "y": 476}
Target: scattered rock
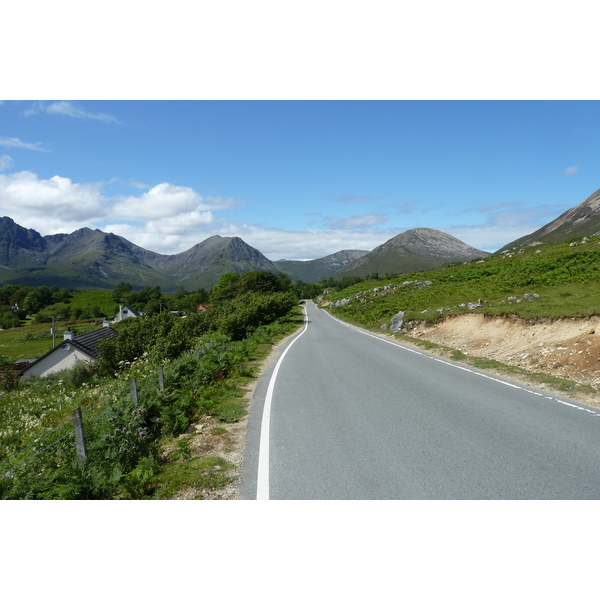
{"x": 341, "y": 302}
{"x": 397, "y": 321}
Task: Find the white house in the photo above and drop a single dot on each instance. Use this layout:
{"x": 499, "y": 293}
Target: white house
{"x": 126, "y": 312}
{"x": 73, "y": 350}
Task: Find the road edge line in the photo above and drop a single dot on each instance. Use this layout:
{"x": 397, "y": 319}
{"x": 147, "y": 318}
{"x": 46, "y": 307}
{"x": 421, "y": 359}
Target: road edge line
{"x": 262, "y": 478}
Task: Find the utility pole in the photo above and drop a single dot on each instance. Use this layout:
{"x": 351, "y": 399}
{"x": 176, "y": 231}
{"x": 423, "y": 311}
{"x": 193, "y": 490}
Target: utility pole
{"x": 53, "y": 334}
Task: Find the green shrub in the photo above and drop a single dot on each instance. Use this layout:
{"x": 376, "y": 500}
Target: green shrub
{"x": 79, "y": 374}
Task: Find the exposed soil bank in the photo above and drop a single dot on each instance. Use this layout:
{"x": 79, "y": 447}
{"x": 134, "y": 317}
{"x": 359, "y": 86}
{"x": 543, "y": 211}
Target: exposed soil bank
{"x": 565, "y": 348}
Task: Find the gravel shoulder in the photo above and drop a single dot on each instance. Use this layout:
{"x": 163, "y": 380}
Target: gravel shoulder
{"x": 564, "y": 348}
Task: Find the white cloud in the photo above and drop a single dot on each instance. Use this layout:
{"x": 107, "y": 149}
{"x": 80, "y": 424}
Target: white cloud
{"x": 170, "y": 219}
{"x": 163, "y": 200}
{"x": 570, "y": 171}
{"x": 355, "y": 222}
{"x": 304, "y": 244}
{"x": 68, "y": 109}
{"x": 17, "y": 143}
{"x": 139, "y": 185}
{"x": 167, "y": 218}
{"x": 170, "y": 235}
{"x": 41, "y": 203}
{"x": 5, "y": 162}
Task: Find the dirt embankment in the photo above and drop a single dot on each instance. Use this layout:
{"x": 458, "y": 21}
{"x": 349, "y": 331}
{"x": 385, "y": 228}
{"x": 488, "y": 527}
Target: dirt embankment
{"x": 565, "y": 348}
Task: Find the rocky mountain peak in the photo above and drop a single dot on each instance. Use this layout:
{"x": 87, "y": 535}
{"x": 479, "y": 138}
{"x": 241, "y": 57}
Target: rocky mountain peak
{"x": 17, "y": 242}
{"x": 431, "y": 242}
{"x": 579, "y": 221}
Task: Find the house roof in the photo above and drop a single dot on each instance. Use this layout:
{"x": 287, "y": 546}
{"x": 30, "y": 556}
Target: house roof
{"x": 86, "y": 342}
{"x": 132, "y": 310}
{"x": 89, "y": 342}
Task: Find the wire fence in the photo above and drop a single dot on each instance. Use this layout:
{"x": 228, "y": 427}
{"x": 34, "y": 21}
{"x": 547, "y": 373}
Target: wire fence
{"x": 69, "y": 440}
{"x": 71, "y": 430}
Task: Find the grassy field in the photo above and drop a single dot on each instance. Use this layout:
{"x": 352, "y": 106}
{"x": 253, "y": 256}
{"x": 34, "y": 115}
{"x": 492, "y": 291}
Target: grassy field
{"x": 101, "y": 298}
{"x": 565, "y": 278}
{"x": 33, "y": 341}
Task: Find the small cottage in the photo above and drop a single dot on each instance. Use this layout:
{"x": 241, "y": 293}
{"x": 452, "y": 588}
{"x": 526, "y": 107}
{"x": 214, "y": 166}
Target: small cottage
{"x": 126, "y": 312}
{"x": 73, "y": 350}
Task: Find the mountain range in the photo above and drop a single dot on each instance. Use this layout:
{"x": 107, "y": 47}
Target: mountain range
{"x": 89, "y": 259}
{"x": 579, "y": 221}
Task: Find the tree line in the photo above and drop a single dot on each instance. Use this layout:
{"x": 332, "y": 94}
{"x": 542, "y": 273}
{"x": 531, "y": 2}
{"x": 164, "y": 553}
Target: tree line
{"x": 18, "y": 302}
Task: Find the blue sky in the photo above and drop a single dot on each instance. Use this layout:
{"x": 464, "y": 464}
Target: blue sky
{"x": 296, "y": 179}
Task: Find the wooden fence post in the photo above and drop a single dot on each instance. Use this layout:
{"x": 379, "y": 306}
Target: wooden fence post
{"x": 161, "y": 378}
{"x": 79, "y": 434}
{"x": 134, "y": 392}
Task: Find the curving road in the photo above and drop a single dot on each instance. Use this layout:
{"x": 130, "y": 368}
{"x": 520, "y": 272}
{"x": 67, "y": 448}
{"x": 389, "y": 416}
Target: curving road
{"x": 346, "y": 414}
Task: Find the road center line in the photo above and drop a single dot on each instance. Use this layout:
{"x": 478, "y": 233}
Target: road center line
{"x": 262, "y": 479}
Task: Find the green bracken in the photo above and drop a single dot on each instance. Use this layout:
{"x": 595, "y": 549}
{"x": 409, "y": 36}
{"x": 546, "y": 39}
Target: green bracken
{"x": 561, "y": 280}
{"x": 205, "y": 370}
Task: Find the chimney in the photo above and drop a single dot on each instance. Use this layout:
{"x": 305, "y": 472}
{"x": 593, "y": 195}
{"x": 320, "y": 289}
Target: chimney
{"x": 69, "y": 335}
{"x": 106, "y": 323}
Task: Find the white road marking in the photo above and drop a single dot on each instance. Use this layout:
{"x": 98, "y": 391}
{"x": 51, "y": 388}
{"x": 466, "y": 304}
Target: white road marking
{"x": 518, "y": 387}
{"x": 262, "y": 480}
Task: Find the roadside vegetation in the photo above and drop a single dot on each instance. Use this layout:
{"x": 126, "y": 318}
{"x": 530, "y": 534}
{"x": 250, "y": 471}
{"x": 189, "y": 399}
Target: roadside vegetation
{"x": 542, "y": 281}
{"x": 538, "y": 284}
{"x": 208, "y": 358}
{"x": 142, "y": 450}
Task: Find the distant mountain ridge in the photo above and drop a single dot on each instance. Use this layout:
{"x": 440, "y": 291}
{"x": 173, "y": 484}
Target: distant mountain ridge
{"x": 310, "y": 271}
{"x": 90, "y": 258}
{"x": 579, "y": 221}
{"x": 419, "y": 249}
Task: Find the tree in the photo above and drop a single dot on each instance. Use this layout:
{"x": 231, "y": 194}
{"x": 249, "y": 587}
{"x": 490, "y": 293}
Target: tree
{"x": 9, "y": 319}
{"x": 262, "y": 282}
{"x": 225, "y": 288}
{"x": 153, "y": 306}
{"x": 190, "y": 302}
{"x": 122, "y": 292}
{"x": 37, "y": 299}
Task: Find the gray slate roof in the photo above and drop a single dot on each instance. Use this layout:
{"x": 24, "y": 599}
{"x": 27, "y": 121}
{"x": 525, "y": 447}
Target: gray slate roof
{"x": 89, "y": 342}
{"x": 86, "y": 342}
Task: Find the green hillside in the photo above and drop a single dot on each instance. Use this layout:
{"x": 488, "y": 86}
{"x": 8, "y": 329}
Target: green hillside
{"x": 565, "y": 278}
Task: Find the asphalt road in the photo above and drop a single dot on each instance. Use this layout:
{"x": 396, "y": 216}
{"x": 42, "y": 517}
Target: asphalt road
{"x": 346, "y": 414}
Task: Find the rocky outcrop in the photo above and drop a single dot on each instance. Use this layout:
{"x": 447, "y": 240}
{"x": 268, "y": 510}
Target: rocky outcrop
{"x": 397, "y": 321}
